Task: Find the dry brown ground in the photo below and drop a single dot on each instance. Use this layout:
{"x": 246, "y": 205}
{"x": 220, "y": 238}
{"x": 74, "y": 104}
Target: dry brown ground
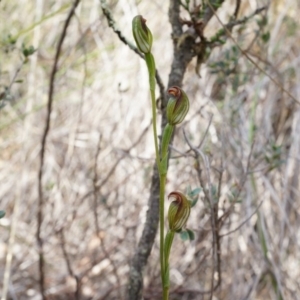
{"x": 99, "y": 154}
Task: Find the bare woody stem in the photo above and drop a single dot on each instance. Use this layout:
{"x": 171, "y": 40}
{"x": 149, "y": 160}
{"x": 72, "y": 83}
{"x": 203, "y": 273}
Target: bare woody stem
{"x": 41, "y": 264}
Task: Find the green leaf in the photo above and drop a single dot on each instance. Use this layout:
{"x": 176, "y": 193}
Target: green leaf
{"x": 194, "y": 202}
{"x": 195, "y": 192}
{"x": 11, "y": 40}
{"x": 2, "y": 214}
{"x": 191, "y": 234}
{"x": 184, "y": 235}
{"x": 265, "y": 37}
{"x": 28, "y": 51}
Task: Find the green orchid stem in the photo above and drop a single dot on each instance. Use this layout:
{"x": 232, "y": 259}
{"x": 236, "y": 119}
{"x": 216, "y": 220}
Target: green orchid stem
{"x": 166, "y": 137}
{"x": 175, "y": 115}
{"x": 162, "y": 177}
{"x": 168, "y": 245}
{"x": 151, "y": 70}
{"x": 166, "y": 293}
{"x": 162, "y": 165}
{"x": 164, "y": 245}
{"x": 162, "y": 228}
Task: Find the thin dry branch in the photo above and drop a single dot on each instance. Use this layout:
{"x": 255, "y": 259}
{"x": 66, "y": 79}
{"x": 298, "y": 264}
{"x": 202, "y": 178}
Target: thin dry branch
{"x": 210, "y": 10}
{"x": 68, "y": 263}
{"x": 244, "y": 222}
{"x": 237, "y": 8}
{"x": 216, "y": 245}
{"x": 43, "y": 150}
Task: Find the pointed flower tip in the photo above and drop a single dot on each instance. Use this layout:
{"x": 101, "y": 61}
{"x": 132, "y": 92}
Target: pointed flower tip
{"x": 179, "y": 211}
{"x": 142, "y": 34}
{"x": 178, "y": 105}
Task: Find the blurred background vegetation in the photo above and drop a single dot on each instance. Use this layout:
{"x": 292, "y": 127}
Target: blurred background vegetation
{"x": 99, "y": 151}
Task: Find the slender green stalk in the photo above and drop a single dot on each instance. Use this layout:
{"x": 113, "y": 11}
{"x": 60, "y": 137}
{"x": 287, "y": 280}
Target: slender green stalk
{"x": 166, "y": 137}
{"x": 162, "y": 228}
{"x": 162, "y": 177}
{"x": 166, "y": 293}
{"x": 165, "y": 246}
{"x": 151, "y": 69}
{"x": 168, "y": 245}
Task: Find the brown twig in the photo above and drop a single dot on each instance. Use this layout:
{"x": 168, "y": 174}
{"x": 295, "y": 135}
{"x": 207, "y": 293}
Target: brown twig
{"x": 243, "y": 223}
{"x": 237, "y": 8}
{"x": 216, "y": 253}
{"x": 43, "y": 150}
{"x": 68, "y": 263}
{"x": 241, "y": 21}
{"x": 210, "y": 9}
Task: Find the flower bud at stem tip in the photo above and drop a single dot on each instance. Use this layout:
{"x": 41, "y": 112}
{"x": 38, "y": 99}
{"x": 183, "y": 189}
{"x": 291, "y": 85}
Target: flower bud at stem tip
{"x": 142, "y": 34}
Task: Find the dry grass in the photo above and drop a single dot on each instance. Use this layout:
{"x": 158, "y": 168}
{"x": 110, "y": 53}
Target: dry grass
{"x": 99, "y": 155}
